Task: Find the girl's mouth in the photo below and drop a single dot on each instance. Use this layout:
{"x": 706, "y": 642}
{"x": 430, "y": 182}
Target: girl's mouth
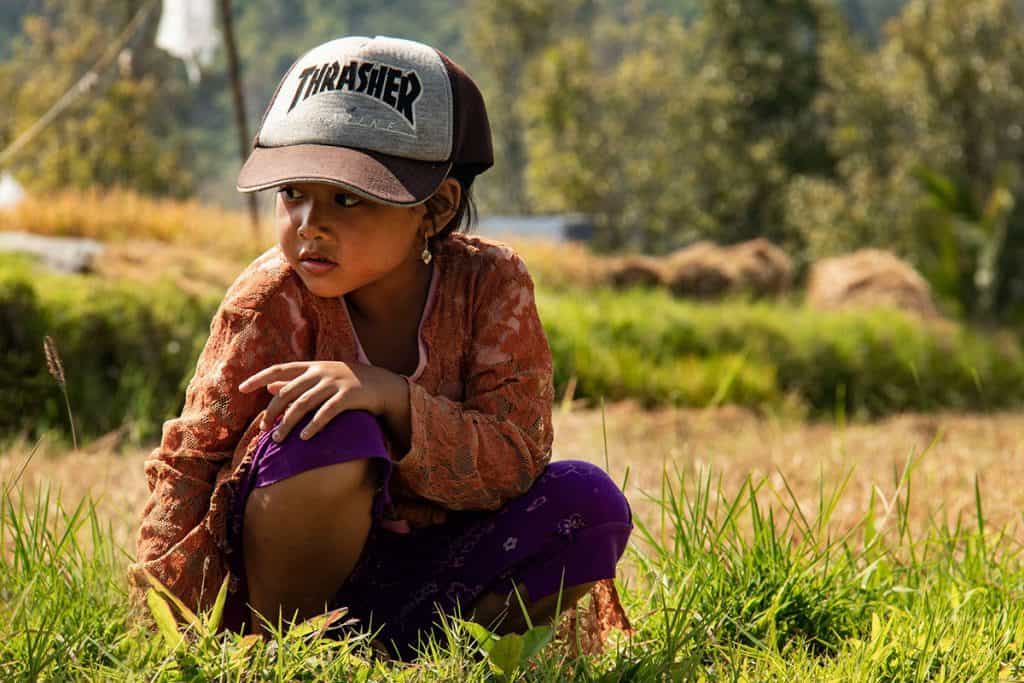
{"x": 317, "y": 267}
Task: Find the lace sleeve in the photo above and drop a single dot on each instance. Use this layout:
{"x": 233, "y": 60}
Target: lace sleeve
{"x": 488, "y": 449}
{"x": 173, "y": 542}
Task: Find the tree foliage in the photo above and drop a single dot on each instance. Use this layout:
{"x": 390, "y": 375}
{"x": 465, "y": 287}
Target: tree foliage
{"x": 505, "y": 35}
{"x": 928, "y": 132}
{"x": 774, "y": 119}
{"x": 824, "y": 125}
{"x": 120, "y": 132}
{"x": 674, "y": 131}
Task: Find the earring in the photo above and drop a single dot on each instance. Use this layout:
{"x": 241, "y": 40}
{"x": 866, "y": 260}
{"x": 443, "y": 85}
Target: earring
{"x": 426, "y": 255}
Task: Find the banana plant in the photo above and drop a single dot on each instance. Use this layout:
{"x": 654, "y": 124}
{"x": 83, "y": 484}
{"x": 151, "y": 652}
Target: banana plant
{"x": 969, "y": 236}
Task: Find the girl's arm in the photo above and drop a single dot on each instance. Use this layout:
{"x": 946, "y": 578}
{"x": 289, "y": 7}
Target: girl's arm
{"x": 489, "y": 448}
{"x": 177, "y": 540}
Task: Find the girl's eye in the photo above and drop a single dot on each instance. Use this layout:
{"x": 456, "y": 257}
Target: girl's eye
{"x": 289, "y": 192}
{"x": 346, "y": 200}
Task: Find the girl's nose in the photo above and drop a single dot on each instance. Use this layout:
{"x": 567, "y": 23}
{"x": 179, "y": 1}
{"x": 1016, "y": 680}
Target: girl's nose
{"x": 311, "y": 222}
{"x": 308, "y": 230}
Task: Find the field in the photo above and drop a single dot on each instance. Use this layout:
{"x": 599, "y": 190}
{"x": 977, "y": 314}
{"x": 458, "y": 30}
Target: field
{"x": 885, "y": 578}
{"x": 839, "y": 506}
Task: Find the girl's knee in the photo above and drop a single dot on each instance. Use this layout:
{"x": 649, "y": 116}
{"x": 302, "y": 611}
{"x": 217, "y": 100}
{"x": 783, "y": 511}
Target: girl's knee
{"x": 579, "y": 484}
{"x": 353, "y": 435}
{"x": 311, "y": 482}
{"x": 330, "y": 489}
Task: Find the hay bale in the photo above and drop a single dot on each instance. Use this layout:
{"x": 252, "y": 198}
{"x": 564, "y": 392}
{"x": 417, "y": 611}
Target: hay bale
{"x": 706, "y": 270}
{"x": 632, "y": 271}
{"x": 760, "y": 267}
{"x": 701, "y": 277}
{"x": 869, "y": 278}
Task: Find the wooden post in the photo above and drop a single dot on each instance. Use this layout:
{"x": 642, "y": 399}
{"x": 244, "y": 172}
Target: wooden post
{"x": 235, "y": 72}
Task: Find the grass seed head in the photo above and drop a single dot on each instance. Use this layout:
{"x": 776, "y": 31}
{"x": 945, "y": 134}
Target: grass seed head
{"x": 53, "y": 363}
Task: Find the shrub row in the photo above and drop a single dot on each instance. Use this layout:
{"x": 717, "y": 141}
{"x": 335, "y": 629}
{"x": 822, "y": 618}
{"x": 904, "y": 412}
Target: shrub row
{"x": 129, "y": 353}
{"x": 645, "y": 344}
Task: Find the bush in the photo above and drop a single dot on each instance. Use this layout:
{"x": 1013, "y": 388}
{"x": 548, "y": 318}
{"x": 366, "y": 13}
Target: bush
{"x": 128, "y": 351}
{"x": 868, "y": 363}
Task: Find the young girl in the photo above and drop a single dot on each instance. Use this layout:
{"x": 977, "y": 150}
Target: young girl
{"x": 369, "y": 424}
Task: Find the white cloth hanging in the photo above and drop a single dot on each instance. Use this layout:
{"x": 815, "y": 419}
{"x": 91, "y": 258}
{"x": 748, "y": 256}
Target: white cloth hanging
{"x": 10, "y": 191}
{"x": 188, "y": 30}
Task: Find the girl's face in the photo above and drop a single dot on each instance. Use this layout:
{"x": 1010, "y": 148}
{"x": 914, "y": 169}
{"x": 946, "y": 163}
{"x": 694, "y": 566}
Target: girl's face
{"x": 362, "y": 240}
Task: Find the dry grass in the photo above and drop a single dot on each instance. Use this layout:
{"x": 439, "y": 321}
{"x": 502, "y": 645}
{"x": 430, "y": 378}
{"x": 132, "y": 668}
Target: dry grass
{"x": 210, "y": 271}
{"x": 144, "y": 233}
{"x": 204, "y": 247}
{"x": 198, "y": 272}
{"x": 950, "y": 450}
{"x": 116, "y": 216}
{"x": 561, "y": 264}
{"x": 733, "y": 442}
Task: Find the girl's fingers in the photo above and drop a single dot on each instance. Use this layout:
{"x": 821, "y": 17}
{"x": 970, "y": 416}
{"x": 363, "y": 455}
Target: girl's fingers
{"x": 328, "y": 411}
{"x": 300, "y": 407}
{"x": 282, "y": 371}
{"x": 288, "y": 393}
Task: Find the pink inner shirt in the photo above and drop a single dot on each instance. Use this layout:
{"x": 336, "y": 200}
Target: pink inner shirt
{"x": 422, "y": 349}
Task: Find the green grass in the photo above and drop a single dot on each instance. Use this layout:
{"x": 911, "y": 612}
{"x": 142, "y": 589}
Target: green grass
{"x": 648, "y": 345}
{"x": 726, "y": 585}
{"x": 131, "y": 350}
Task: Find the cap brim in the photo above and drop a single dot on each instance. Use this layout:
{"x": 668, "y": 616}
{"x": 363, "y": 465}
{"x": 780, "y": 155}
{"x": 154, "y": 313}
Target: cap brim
{"x": 377, "y": 177}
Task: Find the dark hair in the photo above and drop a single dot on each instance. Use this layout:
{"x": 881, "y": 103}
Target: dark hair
{"x": 465, "y": 213}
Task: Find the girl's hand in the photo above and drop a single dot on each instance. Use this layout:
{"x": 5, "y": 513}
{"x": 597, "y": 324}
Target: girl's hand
{"x": 335, "y": 386}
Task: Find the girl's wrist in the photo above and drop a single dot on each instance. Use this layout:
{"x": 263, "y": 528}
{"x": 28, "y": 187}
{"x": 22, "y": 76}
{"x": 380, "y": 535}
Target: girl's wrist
{"x": 396, "y": 396}
{"x": 396, "y": 412}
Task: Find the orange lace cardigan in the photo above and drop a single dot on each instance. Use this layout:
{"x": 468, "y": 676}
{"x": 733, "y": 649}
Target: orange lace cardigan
{"x": 480, "y": 404}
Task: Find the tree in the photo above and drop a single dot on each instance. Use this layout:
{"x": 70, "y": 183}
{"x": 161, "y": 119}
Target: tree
{"x": 929, "y": 139}
{"x": 11, "y": 12}
{"x": 667, "y": 132}
{"x": 504, "y": 36}
{"x": 772, "y": 54}
{"x": 969, "y": 57}
{"x": 867, "y": 17}
{"x": 602, "y": 136}
{"x": 121, "y": 132}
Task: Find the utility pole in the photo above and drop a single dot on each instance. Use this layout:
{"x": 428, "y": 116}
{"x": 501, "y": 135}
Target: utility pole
{"x": 235, "y": 72}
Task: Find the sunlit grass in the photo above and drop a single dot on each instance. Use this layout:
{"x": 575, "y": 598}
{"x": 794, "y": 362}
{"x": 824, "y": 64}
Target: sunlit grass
{"x": 726, "y": 584}
{"x": 729, "y": 576}
{"x": 647, "y": 345}
{"x": 726, "y": 578}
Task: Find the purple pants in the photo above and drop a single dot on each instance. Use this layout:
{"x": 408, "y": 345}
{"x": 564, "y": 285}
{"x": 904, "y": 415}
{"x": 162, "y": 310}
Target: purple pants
{"x": 569, "y": 528}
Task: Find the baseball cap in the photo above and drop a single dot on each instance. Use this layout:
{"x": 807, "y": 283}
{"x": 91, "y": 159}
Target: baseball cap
{"x": 385, "y": 118}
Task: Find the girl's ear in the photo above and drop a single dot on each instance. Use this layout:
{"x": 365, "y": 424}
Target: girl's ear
{"x": 442, "y": 206}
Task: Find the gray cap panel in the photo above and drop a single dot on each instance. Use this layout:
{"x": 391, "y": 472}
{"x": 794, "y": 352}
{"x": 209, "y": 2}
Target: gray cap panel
{"x": 383, "y": 94}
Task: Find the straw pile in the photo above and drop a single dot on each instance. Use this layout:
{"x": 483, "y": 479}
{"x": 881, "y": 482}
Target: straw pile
{"x": 705, "y": 270}
{"x": 869, "y": 278}
{"x": 632, "y": 271}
